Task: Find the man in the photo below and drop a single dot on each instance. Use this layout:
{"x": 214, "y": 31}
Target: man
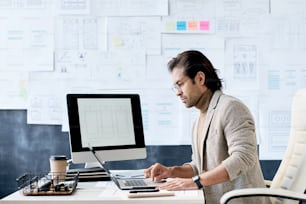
{"x": 224, "y": 146}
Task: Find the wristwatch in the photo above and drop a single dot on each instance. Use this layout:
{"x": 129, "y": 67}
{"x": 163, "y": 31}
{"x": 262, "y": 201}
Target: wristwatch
{"x": 196, "y": 179}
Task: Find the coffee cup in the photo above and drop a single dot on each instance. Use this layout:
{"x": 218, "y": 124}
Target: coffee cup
{"x": 58, "y": 166}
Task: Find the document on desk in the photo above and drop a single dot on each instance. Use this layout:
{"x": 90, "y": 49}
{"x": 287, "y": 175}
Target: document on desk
{"x": 150, "y": 194}
{"x": 162, "y": 193}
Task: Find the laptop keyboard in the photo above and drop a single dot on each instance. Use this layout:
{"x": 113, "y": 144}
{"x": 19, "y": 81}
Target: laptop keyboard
{"x": 135, "y": 182}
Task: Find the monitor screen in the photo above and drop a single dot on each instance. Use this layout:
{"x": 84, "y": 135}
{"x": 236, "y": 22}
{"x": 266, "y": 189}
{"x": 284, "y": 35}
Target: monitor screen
{"x": 110, "y": 124}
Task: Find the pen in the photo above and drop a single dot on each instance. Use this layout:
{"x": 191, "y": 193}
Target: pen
{"x": 143, "y": 188}
{"x": 144, "y": 191}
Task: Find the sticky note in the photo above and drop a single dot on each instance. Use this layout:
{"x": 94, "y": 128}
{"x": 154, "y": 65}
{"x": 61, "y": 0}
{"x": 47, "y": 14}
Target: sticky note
{"x": 170, "y": 26}
{"x": 204, "y": 25}
{"x": 181, "y": 25}
{"x": 192, "y": 25}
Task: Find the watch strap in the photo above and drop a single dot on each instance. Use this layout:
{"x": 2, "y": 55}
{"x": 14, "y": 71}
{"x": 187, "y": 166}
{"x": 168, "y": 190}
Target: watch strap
{"x": 196, "y": 179}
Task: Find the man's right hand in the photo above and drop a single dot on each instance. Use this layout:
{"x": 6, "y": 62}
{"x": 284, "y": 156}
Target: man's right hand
{"x": 157, "y": 172}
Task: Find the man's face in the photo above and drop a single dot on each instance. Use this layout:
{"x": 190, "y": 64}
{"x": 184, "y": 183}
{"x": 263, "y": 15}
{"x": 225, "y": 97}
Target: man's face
{"x": 188, "y": 91}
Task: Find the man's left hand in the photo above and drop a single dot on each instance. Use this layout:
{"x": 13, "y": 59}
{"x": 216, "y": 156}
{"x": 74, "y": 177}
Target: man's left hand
{"x": 179, "y": 184}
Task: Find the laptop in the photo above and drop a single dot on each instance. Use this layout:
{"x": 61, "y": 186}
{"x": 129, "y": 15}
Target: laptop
{"x": 129, "y": 181}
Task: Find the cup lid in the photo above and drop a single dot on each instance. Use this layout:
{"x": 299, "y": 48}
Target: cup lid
{"x": 58, "y": 157}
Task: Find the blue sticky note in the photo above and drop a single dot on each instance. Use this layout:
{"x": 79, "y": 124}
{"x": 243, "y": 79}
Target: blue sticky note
{"x": 181, "y": 25}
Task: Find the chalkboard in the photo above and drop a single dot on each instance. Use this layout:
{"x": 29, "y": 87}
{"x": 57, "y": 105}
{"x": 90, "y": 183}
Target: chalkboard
{"x": 27, "y": 148}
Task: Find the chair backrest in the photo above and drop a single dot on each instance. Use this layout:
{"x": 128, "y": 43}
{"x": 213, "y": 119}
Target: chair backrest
{"x": 291, "y": 174}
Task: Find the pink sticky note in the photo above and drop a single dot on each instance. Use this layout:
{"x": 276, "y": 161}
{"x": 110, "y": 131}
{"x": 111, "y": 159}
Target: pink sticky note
{"x": 204, "y": 25}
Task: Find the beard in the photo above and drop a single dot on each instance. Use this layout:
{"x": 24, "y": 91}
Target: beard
{"x": 188, "y": 103}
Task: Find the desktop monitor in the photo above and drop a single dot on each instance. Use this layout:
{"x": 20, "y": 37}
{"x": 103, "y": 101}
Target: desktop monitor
{"x": 109, "y": 124}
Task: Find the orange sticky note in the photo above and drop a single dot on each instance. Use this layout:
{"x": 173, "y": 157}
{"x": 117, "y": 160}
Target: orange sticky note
{"x": 192, "y": 25}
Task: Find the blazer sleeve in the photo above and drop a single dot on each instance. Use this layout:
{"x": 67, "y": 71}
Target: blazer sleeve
{"x": 239, "y": 132}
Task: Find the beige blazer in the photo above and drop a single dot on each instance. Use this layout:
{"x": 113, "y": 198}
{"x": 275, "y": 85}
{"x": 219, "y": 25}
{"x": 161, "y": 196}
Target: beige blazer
{"x": 229, "y": 138}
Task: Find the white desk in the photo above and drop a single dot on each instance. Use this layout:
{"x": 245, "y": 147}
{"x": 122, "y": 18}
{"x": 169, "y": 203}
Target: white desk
{"x": 103, "y": 192}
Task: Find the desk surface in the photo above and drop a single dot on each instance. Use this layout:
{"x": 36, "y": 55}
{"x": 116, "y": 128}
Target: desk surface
{"x": 104, "y": 192}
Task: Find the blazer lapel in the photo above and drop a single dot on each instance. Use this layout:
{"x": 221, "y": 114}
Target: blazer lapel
{"x": 210, "y": 113}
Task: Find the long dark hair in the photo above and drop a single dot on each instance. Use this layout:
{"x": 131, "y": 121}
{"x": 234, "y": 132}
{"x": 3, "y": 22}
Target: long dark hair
{"x": 193, "y": 61}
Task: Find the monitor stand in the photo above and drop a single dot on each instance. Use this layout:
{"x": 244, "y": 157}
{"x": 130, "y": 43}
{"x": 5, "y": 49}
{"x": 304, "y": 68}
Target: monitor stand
{"x": 92, "y": 165}
{"x": 95, "y": 170}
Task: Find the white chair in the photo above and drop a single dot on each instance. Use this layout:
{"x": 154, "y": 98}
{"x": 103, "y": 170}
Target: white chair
{"x": 289, "y": 182}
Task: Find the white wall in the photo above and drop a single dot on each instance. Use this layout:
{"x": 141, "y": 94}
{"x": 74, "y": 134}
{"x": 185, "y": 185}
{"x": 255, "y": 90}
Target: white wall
{"x": 49, "y": 48}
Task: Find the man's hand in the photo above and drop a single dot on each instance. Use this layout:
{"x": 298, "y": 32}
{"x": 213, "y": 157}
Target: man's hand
{"x": 157, "y": 172}
{"x": 179, "y": 184}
